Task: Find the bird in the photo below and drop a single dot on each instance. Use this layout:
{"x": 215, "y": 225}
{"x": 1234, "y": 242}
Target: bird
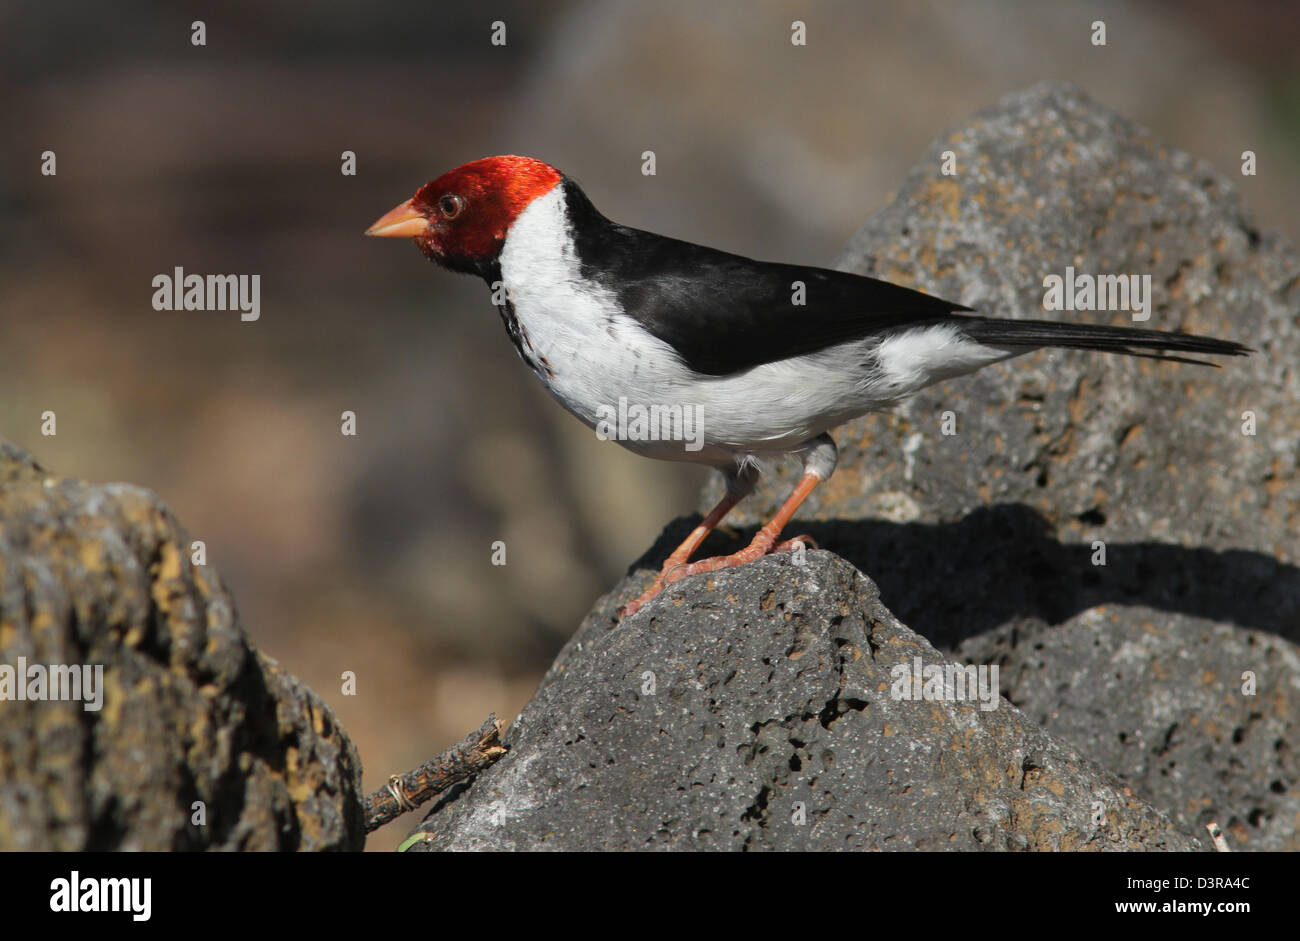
{"x": 769, "y": 357}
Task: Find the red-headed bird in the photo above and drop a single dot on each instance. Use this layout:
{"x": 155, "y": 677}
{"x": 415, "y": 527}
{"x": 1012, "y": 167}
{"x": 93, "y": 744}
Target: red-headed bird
{"x": 610, "y": 317}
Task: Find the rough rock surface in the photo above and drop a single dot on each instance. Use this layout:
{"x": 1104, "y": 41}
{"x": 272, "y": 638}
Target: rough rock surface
{"x": 985, "y": 542}
{"x": 772, "y": 691}
{"x": 190, "y": 712}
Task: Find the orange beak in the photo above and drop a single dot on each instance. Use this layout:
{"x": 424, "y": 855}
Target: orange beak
{"x": 402, "y": 221}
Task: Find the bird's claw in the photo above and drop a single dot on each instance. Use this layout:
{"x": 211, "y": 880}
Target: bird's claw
{"x": 801, "y": 541}
{"x": 674, "y": 572}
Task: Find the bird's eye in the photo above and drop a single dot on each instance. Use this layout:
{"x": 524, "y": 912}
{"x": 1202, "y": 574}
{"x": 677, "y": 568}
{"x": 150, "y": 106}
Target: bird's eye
{"x": 451, "y": 206}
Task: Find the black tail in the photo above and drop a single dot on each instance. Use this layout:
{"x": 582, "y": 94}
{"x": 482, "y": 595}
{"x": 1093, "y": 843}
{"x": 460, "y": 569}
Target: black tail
{"x": 1131, "y": 341}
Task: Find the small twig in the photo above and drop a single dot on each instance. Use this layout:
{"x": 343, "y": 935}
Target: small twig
{"x": 408, "y": 791}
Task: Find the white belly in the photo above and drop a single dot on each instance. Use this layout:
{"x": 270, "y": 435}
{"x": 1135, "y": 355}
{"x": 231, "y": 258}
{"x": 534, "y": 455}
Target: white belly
{"x": 601, "y": 363}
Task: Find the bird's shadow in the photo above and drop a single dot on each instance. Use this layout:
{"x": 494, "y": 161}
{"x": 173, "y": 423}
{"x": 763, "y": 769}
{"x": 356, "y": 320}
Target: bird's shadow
{"x": 1002, "y": 563}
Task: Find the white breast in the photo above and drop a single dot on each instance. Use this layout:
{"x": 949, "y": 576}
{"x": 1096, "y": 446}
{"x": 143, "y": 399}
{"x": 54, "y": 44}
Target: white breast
{"x": 598, "y": 355}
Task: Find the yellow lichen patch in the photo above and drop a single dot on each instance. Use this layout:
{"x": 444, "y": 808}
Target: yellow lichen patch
{"x": 169, "y": 565}
{"x": 200, "y": 727}
{"x": 114, "y": 697}
{"x": 92, "y": 555}
{"x": 946, "y": 194}
{"x": 1278, "y": 703}
{"x": 927, "y": 257}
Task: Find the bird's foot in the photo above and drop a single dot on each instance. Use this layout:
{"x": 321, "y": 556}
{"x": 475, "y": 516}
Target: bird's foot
{"x": 751, "y": 553}
{"x": 674, "y": 570}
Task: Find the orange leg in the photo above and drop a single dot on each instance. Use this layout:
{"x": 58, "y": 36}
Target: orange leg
{"x": 683, "y": 552}
{"x": 676, "y": 567}
{"x": 764, "y": 540}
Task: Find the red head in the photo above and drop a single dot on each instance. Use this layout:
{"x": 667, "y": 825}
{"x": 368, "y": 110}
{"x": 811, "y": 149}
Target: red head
{"x": 460, "y": 220}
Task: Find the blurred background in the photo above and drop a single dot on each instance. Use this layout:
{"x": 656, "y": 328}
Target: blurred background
{"x": 373, "y": 553}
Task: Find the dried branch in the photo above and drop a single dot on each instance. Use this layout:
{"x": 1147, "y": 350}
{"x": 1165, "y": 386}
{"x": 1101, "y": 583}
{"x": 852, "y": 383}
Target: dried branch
{"x": 407, "y": 791}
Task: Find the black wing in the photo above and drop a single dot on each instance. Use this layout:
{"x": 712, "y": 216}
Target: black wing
{"x": 725, "y": 313}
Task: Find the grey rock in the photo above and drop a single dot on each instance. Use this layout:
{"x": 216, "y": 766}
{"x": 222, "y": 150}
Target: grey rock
{"x": 1159, "y": 702}
{"x": 102, "y": 575}
{"x": 984, "y": 541}
{"x": 771, "y": 724}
